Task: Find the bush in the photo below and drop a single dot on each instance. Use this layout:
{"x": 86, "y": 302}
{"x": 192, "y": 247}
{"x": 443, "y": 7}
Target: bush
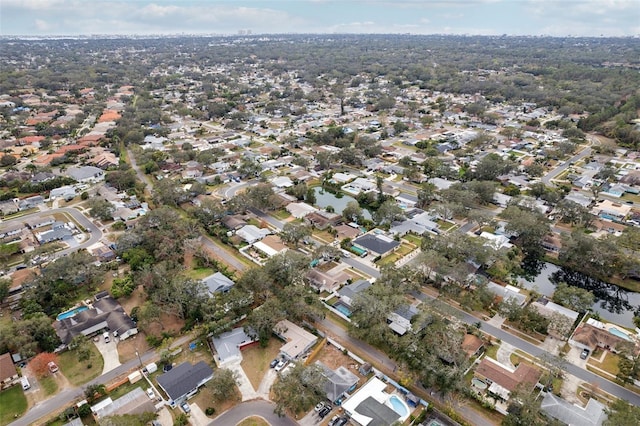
{"x": 210, "y": 411}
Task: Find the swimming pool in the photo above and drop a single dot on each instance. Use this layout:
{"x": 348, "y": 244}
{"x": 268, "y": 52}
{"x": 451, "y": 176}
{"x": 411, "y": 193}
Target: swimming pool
{"x": 399, "y": 407}
{"x": 619, "y": 333}
{"x": 478, "y": 383}
{"x": 71, "y": 313}
{"x": 343, "y": 309}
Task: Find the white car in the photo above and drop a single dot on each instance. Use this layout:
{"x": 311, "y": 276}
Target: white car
{"x": 280, "y": 365}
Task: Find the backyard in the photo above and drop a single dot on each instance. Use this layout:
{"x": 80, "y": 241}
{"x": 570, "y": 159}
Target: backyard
{"x": 13, "y": 403}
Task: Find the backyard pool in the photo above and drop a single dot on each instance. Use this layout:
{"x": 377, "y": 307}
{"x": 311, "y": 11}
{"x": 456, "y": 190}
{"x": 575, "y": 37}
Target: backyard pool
{"x": 399, "y": 407}
{"x": 478, "y": 383}
{"x": 71, "y": 313}
{"x": 343, "y": 309}
{"x": 619, "y": 333}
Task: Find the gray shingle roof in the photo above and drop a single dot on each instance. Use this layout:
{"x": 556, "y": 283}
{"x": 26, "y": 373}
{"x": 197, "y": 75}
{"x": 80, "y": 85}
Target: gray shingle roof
{"x": 184, "y": 378}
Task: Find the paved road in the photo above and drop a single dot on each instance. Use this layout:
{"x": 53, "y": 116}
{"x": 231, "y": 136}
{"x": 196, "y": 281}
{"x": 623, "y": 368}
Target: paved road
{"x": 95, "y": 234}
{"x": 361, "y": 266}
{"x": 558, "y": 170}
{"x": 535, "y": 351}
{"x": 67, "y": 396}
{"x": 231, "y": 190}
{"x": 141, "y": 176}
{"x": 257, "y": 408}
{"x": 267, "y": 218}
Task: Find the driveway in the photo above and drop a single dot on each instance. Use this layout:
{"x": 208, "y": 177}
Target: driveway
{"x": 109, "y": 352}
{"x": 197, "y": 416}
{"x": 246, "y": 389}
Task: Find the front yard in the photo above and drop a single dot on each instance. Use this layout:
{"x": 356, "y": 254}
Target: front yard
{"x": 79, "y": 373}
{"x": 256, "y": 359}
{"x": 13, "y": 404}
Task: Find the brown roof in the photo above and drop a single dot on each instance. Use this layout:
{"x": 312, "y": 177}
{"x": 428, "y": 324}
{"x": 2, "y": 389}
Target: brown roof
{"x": 7, "y": 369}
{"x": 592, "y": 336}
{"x": 471, "y": 344}
{"x": 524, "y": 373}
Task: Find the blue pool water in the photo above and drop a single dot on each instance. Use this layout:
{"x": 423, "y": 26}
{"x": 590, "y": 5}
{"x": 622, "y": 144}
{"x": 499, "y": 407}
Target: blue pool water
{"x": 619, "y": 333}
{"x": 398, "y": 406}
{"x": 71, "y": 313}
{"x": 343, "y": 309}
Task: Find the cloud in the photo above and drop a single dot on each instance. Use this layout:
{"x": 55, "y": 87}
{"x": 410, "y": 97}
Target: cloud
{"x": 43, "y": 26}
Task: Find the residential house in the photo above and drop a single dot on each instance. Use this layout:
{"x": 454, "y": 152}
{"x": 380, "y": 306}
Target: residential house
{"x": 562, "y": 319}
{"x": 418, "y": 222}
{"x": 300, "y": 210}
{"x": 59, "y": 231}
{"x": 282, "y": 182}
{"x": 134, "y": 402}
{"x": 376, "y": 244}
{"x": 400, "y": 320}
{"x": 11, "y": 229}
{"x": 8, "y": 207}
{"x": 347, "y": 231}
{"x": 105, "y": 314}
{"x": 233, "y": 222}
{"x": 507, "y": 292}
{"x": 593, "y": 414}
{"x": 321, "y": 219}
{"x": 371, "y": 405}
{"x": 218, "y": 283}
{"x": 607, "y": 209}
{"x": 228, "y": 346}
{"x": 338, "y": 382}
{"x": 497, "y": 242}
{"x": 86, "y": 174}
{"x": 8, "y": 372}
{"x": 30, "y": 202}
{"x": 503, "y": 380}
{"x": 39, "y": 222}
{"x": 472, "y": 345}
{"x": 184, "y": 380}
{"x": 326, "y": 281}
{"x": 66, "y": 192}
{"x": 298, "y": 340}
{"x": 271, "y": 245}
{"x": 102, "y": 253}
{"x": 358, "y": 186}
{"x": 594, "y": 334}
{"x": 349, "y": 292}
{"x": 252, "y": 234}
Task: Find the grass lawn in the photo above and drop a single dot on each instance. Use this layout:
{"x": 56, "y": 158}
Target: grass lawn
{"x": 77, "y": 372}
{"x": 204, "y": 399}
{"x": 413, "y": 239}
{"x": 492, "y": 350}
{"x": 323, "y": 236}
{"x": 253, "y": 421}
{"x": 199, "y": 273}
{"x": 256, "y": 359}
{"x": 609, "y": 364}
{"x": 13, "y": 402}
{"x": 281, "y": 214}
{"x": 49, "y": 385}
{"x": 444, "y": 225}
{"x": 402, "y": 251}
{"x": 127, "y": 387}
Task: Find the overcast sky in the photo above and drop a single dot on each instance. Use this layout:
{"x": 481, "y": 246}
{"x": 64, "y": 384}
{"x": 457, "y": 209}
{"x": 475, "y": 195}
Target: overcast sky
{"x": 486, "y": 17}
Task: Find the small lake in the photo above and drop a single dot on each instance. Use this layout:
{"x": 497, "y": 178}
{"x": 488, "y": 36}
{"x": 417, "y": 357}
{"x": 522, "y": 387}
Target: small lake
{"x": 326, "y": 198}
{"x": 613, "y": 303}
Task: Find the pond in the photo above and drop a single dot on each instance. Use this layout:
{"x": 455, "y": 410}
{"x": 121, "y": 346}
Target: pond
{"x": 612, "y": 303}
{"x": 326, "y": 198}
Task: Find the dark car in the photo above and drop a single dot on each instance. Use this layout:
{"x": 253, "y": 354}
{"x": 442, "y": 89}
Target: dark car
{"x": 584, "y": 354}
{"x": 322, "y": 413}
{"x": 274, "y": 363}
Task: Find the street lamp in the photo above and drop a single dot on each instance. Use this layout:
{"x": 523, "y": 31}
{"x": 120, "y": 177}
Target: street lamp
{"x": 139, "y": 359}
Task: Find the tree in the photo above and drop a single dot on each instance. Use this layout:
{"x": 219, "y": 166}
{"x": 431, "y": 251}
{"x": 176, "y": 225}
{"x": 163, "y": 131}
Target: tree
{"x": 82, "y": 347}
{"x": 95, "y": 392}
{"x": 300, "y": 389}
{"x": 5, "y": 285}
{"x": 485, "y": 190}
{"x": 40, "y": 363}
{"x": 575, "y": 298}
{"x": 352, "y": 212}
{"x": 8, "y": 160}
{"x": 524, "y": 409}
{"x": 388, "y": 212}
{"x": 491, "y": 166}
{"x": 262, "y": 197}
{"x": 224, "y": 384}
{"x": 621, "y": 413}
{"x": 628, "y": 363}
{"x": 101, "y": 208}
{"x": 294, "y": 233}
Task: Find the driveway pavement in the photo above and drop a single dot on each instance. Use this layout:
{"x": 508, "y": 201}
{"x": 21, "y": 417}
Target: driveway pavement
{"x": 246, "y": 389}
{"x": 109, "y": 352}
{"x": 266, "y": 383}
{"x": 197, "y": 416}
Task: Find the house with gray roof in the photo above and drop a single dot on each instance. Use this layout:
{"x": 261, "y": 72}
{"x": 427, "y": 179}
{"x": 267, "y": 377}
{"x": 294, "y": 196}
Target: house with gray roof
{"x": 349, "y": 292}
{"x": 417, "y": 224}
{"x": 184, "y": 380}
{"x": 400, "y": 319}
{"x": 338, "y": 382}
{"x": 218, "y": 283}
{"x": 593, "y": 414}
{"x": 228, "y": 345}
{"x": 86, "y": 174}
{"x": 134, "y": 402}
{"x": 376, "y": 244}
{"x": 252, "y": 234}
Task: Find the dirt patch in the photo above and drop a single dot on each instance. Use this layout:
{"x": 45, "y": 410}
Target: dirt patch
{"x": 137, "y": 298}
{"x": 127, "y": 348}
{"x": 204, "y": 399}
{"x": 22, "y": 276}
{"x": 334, "y": 358}
{"x": 188, "y": 259}
{"x": 256, "y": 359}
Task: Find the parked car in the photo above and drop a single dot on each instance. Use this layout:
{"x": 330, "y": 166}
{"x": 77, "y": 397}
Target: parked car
{"x": 281, "y": 364}
{"x": 274, "y": 363}
{"x": 150, "y": 393}
{"x": 106, "y": 336}
{"x": 319, "y": 406}
{"x": 341, "y": 421}
{"x": 52, "y": 366}
{"x": 185, "y": 407}
{"x": 584, "y": 354}
{"x": 322, "y": 413}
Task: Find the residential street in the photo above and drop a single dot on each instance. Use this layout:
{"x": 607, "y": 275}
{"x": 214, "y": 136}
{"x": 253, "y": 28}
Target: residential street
{"x": 257, "y": 408}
